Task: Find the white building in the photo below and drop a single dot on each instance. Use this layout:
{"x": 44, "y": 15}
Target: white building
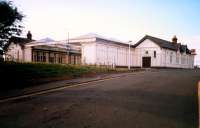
{"x": 97, "y": 50}
{"x": 27, "y": 50}
{"x": 148, "y": 52}
{"x": 154, "y": 52}
{"x": 93, "y": 49}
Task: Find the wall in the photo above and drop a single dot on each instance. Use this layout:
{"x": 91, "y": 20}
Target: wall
{"x": 88, "y": 53}
{"x": 175, "y": 59}
{"x": 27, "y": 54}
{"x": 146, "y": 49}
{"x": 14, "y": 53}
{"x": 164, "y": 57}
{"x": 106, "y": 53}
{"x": 113, "y": 54}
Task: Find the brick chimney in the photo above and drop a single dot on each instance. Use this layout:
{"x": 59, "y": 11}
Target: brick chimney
{"x": 174, "y": 39}
{"x": 29, "y": 35}
{"x": 193, "y": 51}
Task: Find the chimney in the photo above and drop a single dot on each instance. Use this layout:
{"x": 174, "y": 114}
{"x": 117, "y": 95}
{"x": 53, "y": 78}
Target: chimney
{"x": 29, "y": 35}
{"x": 174, "y": 39}
{"x": 193, "y": 51}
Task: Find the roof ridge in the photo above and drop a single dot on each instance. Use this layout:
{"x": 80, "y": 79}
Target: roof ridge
{"x": 158, "y": 38}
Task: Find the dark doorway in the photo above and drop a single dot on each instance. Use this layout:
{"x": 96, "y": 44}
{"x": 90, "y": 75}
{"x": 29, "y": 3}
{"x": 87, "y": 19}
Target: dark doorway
{"x": 146, "y": 62}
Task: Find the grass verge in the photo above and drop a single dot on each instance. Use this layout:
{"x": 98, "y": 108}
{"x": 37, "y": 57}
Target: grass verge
{"x": 19, "y": 75}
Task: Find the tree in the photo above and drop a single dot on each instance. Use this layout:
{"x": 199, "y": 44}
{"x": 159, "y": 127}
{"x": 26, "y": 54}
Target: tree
{"x": 10, "y": 19}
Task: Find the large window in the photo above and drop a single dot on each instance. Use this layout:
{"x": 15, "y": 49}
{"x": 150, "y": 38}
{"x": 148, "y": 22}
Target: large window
{"x": 34, "y": 56}
{"x": 39, "y": 56}
{"x": 51, "y": 58}
{"x": 60, "y": 59}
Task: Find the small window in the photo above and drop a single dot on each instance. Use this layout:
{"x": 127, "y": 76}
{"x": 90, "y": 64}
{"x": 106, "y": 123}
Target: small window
{"x": 146, "y": 52}
{"x": 154, "y": 54}
{"x": 171, "y": 57}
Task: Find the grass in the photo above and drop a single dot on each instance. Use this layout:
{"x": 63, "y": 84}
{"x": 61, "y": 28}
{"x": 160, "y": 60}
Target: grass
{"x": 20, "y": 75}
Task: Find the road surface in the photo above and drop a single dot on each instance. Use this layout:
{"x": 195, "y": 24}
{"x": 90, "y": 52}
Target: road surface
{"x": 152, "y": 99}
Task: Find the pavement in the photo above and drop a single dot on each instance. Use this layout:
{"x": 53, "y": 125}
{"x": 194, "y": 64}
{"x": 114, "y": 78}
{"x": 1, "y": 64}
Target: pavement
{"x": 51, "y": 86}
{"x": 154, "y": 99}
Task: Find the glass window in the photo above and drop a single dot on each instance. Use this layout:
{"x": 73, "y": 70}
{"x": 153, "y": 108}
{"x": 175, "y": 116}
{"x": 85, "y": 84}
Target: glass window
{"x": 59, "y": 58}
{"x": 154, "y": 54}
{"x": 44, "y": 57}
{"x": 171, "y": 58}
{"x": 51, "y": 58}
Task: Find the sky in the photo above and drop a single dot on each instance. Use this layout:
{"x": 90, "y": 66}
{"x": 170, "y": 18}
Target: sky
{"x": 120, "y": 19}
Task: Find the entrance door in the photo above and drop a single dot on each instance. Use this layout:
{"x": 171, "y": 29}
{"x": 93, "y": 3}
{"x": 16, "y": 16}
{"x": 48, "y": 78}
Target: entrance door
{"x": 146, "y": 62}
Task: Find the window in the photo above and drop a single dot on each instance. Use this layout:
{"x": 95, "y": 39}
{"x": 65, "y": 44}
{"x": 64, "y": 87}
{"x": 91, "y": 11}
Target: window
{"x": 38, "y": 56}
{"x": 146, "y": 52}
{"x": 154, "y": 54}
{"x": 51, "y": 57}
{"x": 177, "y": 58}
{"x": 34, "y": 56}
{"x": 44, "y": 57}
{"x": 183, "y": 60}
{"x": 72, "y": 59}
{"x": 60, "y": 59}
{"x": 171, "y": 57}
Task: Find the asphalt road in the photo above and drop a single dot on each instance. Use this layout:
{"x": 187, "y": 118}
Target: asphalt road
{"x": 158, "y": 99}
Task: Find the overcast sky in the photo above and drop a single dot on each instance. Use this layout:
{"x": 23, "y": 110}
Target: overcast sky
{"x": 121, "y": 19}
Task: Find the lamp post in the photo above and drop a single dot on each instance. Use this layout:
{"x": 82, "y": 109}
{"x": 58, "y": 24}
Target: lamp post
{"x": 68, "y": 48}
{"x": 129, "y": 55}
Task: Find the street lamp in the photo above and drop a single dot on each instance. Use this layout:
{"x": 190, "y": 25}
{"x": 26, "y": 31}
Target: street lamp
{"x": 68, "y": 47}
{"x": 129, "y": 55}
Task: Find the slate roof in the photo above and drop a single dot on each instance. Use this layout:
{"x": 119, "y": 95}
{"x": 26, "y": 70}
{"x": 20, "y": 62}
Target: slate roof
{"x": 164, "y": 44}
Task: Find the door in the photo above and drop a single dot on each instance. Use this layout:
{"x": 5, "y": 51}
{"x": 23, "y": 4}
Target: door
{"x": 146, "y": 62}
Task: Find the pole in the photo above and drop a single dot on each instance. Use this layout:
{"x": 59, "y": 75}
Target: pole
{"x": 68, "y": 37}
{"x": 68, "y": 48}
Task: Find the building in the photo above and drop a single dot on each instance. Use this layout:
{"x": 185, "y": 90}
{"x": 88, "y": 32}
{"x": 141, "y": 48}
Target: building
{"x": 154, "y": 52}
{"x": 28, "y": 50}
{"x": 92, "y": 49}
{"x": 148, "y": 52}
{"x": 98, "y": 50}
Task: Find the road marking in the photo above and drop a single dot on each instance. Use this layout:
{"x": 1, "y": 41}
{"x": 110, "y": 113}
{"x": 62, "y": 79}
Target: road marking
{"x": 199, "y": 102}
{"x": 60, "y": 88}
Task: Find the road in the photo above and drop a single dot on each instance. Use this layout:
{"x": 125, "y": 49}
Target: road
{"x": 152, "y": 99}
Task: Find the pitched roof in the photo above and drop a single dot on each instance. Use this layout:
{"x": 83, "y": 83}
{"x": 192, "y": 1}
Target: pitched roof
{"x": 47, "y": 39}
{"x": 165, "y": 44}
{"x": 17, "y": 40}
{"x": 101, "y": 38}
{"x": 162, "y": 43}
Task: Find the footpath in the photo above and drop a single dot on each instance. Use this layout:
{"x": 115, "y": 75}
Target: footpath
{"x": 58, "y": 85}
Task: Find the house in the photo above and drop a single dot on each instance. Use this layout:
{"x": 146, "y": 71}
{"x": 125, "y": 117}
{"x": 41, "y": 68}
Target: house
{"x": 98, "y": 50}
{"x": 154, "y": 52}
{"x": 28, "y": 50}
